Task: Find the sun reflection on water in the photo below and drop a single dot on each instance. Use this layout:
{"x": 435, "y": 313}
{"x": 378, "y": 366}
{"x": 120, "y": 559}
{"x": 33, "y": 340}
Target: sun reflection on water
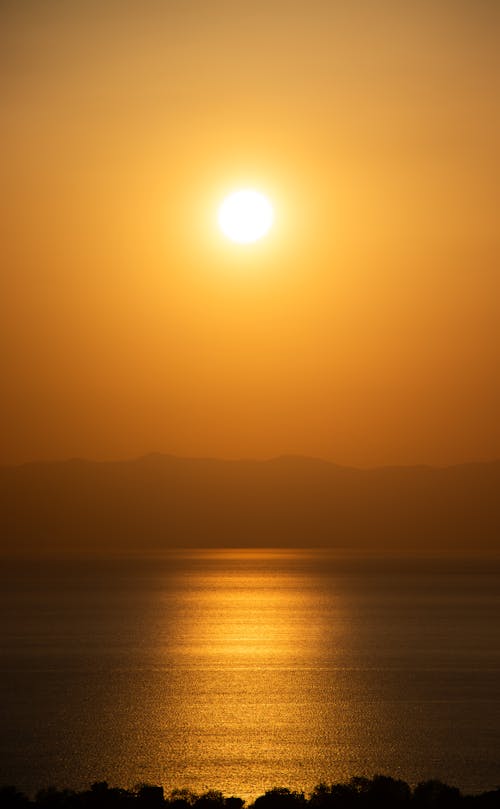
{"x": 250, "y": 634}
{"x": 241, "y": 671}
{"x": 251, "y": 613}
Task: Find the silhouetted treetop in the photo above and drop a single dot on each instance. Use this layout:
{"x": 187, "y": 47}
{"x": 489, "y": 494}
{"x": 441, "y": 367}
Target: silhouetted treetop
{"x": 357, "y": 793}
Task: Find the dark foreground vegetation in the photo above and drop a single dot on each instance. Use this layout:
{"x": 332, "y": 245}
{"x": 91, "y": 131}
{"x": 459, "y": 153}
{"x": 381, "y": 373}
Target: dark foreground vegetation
{"x": 358, "y": 793}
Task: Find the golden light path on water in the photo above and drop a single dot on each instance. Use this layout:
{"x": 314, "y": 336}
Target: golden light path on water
{"x": 240, "y": 671}
{"x": 248, "y": 630}
{"x": 254, "y": 642}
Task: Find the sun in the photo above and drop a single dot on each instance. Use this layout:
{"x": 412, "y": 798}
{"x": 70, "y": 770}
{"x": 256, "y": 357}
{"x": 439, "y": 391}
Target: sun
{"x": 245, "y": 216}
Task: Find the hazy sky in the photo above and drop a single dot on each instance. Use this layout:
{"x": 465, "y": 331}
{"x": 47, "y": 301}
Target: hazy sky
{"x": 365, "y": 328}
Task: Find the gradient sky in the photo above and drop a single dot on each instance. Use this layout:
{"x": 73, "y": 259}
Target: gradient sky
{"x": 364, "y": 329}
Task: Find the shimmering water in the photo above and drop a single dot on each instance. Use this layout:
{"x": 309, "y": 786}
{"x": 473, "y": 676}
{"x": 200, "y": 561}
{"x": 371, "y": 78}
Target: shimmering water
{"x": 244, "y": 671}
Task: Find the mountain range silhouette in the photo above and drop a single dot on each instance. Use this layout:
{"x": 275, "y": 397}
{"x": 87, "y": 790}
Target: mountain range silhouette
{"x": 160, "y": 502}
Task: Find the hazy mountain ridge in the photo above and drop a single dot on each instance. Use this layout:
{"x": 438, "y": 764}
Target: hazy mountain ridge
{"x": 160, "y": 501}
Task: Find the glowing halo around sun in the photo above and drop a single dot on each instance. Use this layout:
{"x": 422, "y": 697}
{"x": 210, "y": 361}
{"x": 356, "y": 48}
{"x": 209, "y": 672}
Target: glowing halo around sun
{"x": 245, "y": 216}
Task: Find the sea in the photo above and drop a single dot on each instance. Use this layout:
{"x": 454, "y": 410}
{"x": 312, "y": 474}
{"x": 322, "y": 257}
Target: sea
{"x": 241, "y": 670}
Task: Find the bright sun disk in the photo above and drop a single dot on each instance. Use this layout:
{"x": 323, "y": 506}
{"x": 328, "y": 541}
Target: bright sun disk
{"x": 245, "y": 216}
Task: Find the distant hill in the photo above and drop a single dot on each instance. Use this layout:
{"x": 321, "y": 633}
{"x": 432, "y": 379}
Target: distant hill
{"x": 161, "y": 502}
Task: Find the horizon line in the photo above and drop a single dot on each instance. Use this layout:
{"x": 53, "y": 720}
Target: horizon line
{"x": 245, "y": 459}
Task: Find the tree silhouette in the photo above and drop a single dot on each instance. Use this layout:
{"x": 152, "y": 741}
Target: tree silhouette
{"x": 360, "y": 792}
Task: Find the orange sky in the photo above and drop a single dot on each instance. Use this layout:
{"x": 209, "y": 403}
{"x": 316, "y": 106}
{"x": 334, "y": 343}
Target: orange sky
{"x": 365, "y": 328}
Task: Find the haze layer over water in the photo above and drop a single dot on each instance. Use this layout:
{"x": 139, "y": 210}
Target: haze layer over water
{"x": 246, "y": 670}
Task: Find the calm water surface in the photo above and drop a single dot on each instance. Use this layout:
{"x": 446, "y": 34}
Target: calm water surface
{"x": 245, "y": 671}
